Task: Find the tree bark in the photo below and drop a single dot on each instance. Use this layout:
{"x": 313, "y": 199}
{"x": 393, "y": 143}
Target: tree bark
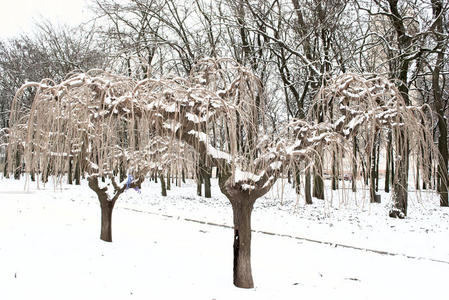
{"x": 206, "y": 174}
{"x": 106, "y": 220}
{"x": 163, "y": 187}
{"x": 77, "y": 173}
{"x": 69, "y": 175}
{"x": 242, "y": 209}
{"x": 297, "y": 181}
{"x": 387, "y": 163}
{"x": 318, "y": 184}
{"x": 400, "y": 195}
{"x": 354, "y": 165}
{"x": 307, "y": 191}
{"x": 168, "y": 180}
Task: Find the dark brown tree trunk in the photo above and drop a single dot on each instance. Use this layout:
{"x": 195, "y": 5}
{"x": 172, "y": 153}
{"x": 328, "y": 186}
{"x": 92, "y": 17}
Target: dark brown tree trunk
{"x": 77, "y": 173}
{"x": 206, "y": 174}
{"x": 377, "y": 163}
{"x": 122, "y": 172}
{"x": 183, "y": 174}
{"x": 242, "y": 209}
{"x": 440, "y": 105}
{"x": 5, "y": 167}
{"x": 318, "y": 184}
{"x": 163, "y": 187}
{"x": 69, "y": 175}
{"x": 387, "y": 164}
{"x": 354, "y": 165}
{"x": 297, "y": 181}
{"x": 400, "y": 195}
{"x": 374, "y": 198}
{"x": 307, "y": 188}
{"x": 168, "y": 180}
{"x": 199, "y": 182}
{"x": 106, "y": 220}
{"x": 18, "y": 169}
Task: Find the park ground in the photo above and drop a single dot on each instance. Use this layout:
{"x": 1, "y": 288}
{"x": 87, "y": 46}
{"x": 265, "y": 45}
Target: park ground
{"x": 180, "y": 246}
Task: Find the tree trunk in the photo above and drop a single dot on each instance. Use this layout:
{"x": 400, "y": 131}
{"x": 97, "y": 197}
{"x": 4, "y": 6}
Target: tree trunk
{"x": 77, "y": 173}
{"x": 168, "y": 180}
{"x": 122, "y": 172}
{"x": 163, "y": 187}
{"x": 206, "y": 174}
{"x": 308, "y": 188}
{"x": 318, "y": 184}
{"x": 377, "y": 163}
{"x": 354, "y": 165}
{"x": 69, "y": 175}
{"x": 400, "y": 195}
{"x": 198, "y": 182}
{"x": 18, "y": 168}
{"x": 106, "y": 220}
{"x": 374, "y": 198}
{"x": 417, "y": 175}
{"x": 5, "y": 167}
{"x": 387, "y": 164}
{"x": 242, "y": 209}
{"x": 297, "y": 181}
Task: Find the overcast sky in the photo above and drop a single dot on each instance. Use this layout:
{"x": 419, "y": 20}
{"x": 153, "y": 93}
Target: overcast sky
{"x": 17, "y": 16}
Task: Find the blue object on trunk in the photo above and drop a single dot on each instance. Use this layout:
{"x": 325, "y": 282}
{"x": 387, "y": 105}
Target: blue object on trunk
{"x": 130, "y": 180}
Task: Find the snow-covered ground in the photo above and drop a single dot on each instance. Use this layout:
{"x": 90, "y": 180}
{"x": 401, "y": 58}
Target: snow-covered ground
{"x": 171, "y": 247}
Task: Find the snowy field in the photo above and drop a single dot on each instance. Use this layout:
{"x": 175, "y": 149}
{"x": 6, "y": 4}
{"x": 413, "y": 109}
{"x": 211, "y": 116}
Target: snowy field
{"x": 180, "y": 246}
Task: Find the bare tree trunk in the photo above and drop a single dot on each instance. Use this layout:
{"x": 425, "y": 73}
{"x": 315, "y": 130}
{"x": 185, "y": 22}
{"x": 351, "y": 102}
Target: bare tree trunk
{"x": 163, "y": 187}
{"x": 242, "y": 209}
{"x": 297, "y": 181}
{"x": 106, "y": 220}
{"x": 354, "y": 165}
{"x": 387, "y": 164}
{"x": 69, "y": 175}
{"x": 18, "y": 168}
{"x": 206, "y": 174}
{"x": 168, "y": 180}
{"x": 77, "y": 173}
{"x": 318, "y": 184}
{"x": 199, "y": 181}
{"x": 374, "y": 198}
{"x": 5, "y": 167}
{"x": 400, "y": 195}
{"x": 308, "y": 188}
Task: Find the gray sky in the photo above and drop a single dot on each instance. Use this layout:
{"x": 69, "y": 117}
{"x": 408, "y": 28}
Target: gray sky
{"x": 17, "y": 16}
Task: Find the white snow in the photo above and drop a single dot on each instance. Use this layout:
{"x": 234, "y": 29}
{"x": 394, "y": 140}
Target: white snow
{"x": 218, "y": 154}
{"x": 276, "y": 165}
{"x": 241, "y": 176}
{"x": 168, "y": 247}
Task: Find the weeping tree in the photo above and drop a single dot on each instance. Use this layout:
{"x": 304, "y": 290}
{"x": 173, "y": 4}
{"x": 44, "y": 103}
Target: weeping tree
{"x": 218, "y": 112}
{"x": 374, "y": 108}
{"x": 88, "y": 120}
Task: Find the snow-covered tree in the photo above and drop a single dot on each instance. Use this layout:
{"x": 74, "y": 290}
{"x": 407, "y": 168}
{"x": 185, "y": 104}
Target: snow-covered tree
{"x": 218, "y": 112}
{"x": 90, "y": 121}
